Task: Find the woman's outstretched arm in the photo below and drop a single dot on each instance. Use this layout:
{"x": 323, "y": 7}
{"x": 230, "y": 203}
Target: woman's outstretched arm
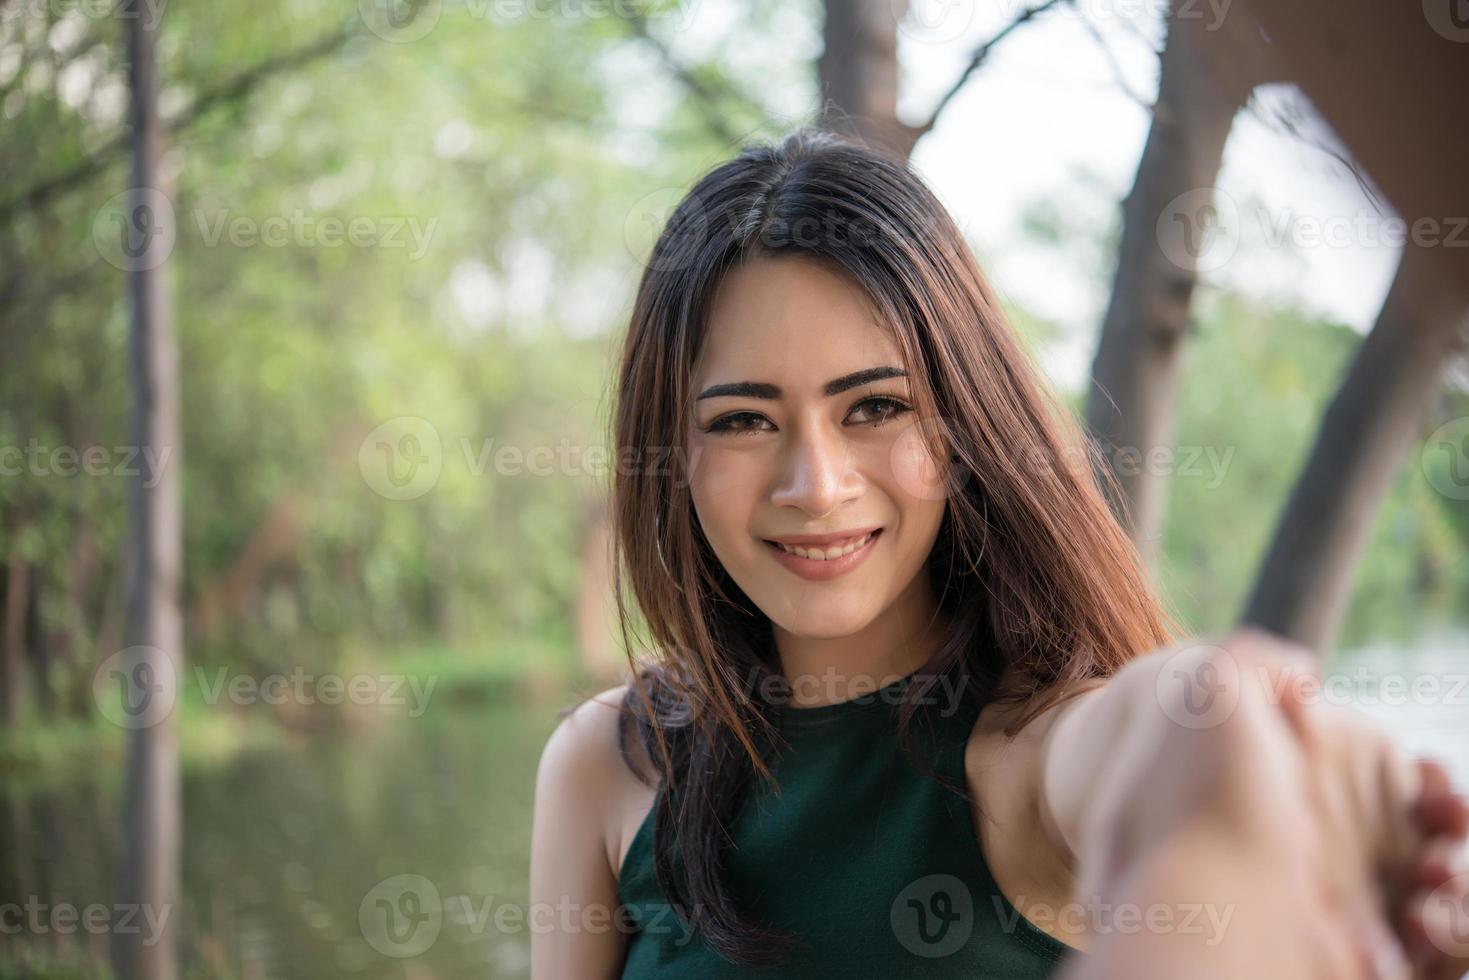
{"x": 1280, "y": 926}
{"x": 1199, "y": 777}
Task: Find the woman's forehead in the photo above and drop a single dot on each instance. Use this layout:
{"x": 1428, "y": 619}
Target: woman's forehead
{"x": 795, "y": 316}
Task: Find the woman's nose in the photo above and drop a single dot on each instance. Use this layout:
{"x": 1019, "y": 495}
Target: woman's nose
{"x": 816, "y": 472}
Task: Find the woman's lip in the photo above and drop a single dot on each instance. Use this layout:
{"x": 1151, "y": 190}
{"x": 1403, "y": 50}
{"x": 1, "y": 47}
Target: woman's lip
{"x": 819, "y": 571}
{"x": 826, "y": 540}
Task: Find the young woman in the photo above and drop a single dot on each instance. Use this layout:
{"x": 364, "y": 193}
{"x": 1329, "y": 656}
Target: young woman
{"x": 901, "y": 645}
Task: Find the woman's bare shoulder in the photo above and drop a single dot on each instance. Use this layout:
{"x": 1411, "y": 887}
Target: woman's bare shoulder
{"x": 992, "y": 738}
{"x": 583, "y": 756}
{"x": 1006, "y": 775}
{"x": 578, "y": 799}
{"x": 1006, "y": 767}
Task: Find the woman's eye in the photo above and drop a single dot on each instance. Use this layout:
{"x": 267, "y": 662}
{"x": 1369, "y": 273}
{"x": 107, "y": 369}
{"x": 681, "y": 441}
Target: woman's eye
{"x": 879, "y": 409}
{"x": 735, "y": 424}
{"x": 884, "y": 409}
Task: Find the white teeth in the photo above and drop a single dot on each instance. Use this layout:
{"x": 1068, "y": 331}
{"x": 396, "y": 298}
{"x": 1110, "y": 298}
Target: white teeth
{"x": 827, "y": 554}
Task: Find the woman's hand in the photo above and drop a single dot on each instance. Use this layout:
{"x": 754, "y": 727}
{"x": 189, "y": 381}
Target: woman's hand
{"x": 1324, "y": 823}
{"x": 1408, "y": 892}
{"x": 1435, "y": 918}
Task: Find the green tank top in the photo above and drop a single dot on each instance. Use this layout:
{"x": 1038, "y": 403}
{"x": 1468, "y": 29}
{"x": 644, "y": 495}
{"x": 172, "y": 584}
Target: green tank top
{"x": 877, "y": 867}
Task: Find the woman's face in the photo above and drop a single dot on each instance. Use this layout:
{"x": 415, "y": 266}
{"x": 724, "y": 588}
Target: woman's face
{"x": 791, "y": 440}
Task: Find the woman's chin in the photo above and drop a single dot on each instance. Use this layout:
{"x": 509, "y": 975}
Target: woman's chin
{"x": 823, "y": 621}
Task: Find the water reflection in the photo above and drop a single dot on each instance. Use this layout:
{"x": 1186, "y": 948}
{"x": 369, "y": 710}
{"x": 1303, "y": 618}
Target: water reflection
{"x": 1420, "y": 695}
{"x": 281, "y": 848}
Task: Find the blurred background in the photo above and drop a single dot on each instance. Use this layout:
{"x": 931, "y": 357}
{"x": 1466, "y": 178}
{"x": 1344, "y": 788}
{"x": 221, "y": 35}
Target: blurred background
{"x": 308, "y": 318}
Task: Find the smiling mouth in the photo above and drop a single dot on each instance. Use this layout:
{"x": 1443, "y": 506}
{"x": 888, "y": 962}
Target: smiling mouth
{"x": 831, "y": 553}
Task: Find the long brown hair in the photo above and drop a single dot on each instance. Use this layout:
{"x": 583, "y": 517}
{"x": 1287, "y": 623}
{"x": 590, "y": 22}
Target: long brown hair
{"x": 1038, "y": 582}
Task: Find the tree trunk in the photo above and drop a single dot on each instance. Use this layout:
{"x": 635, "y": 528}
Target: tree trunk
{"x": 276, "y": 541}
{"x": 37, "y": 647}
{"x": 1389, "y": 78}
{"x": 148, "y": 868}
{"x": 75, "y": 629}
{"x": 1304, "y": 583}
{"x": 858, "y": 72}
{"x": 17, "y": 601}
{"x": 1130, "y": 404}
{"x": 595, "y": 613}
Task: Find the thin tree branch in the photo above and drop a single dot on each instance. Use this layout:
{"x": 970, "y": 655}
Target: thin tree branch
{"x": 975, "y": 60}
{"x": 231, "y": 90}
{"x": 1136, "y": 32}
{"x": 710, "y": 102}
{"x": 1114, "y": 65}
{"x": 58, "y": 64}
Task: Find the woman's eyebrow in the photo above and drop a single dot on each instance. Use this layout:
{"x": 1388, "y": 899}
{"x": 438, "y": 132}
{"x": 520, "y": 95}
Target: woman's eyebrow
{"x": 763, "y": 389}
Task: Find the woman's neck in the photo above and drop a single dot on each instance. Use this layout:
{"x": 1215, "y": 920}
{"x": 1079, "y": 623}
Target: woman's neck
{"x": 826, "y": 670}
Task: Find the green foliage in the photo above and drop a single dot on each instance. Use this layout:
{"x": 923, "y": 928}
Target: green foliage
{"x": 1255, "y": 383}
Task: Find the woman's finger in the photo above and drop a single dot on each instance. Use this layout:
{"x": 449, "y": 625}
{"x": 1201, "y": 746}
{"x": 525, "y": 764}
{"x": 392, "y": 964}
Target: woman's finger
{"x": 1442, "y": 858}
{"x": 1439, "y": 809}
{"x": 1435, "y": 924}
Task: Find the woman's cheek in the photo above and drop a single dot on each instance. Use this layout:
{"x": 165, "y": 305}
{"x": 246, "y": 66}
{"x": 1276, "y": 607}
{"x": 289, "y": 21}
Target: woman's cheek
{"x": 725, "y": 486}
{"x": 915, "y": 470}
